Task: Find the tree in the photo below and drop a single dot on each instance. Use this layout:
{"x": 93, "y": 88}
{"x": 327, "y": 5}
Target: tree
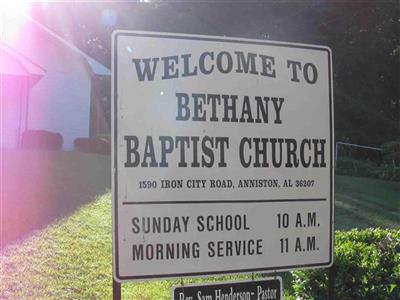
{"x": 362, "y": 35}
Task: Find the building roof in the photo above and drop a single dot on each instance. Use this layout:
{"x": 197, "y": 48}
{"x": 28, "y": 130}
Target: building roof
{"x": 95, "y": 67}
{"x": 15, "y": 64}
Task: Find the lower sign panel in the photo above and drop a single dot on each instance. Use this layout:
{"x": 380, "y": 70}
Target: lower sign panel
{"x": 270, "y": 288}
{"x": 226, "y": 237}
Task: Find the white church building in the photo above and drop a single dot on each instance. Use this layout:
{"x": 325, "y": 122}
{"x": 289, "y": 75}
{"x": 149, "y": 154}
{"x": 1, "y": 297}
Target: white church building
{"x": 49, "y": 84}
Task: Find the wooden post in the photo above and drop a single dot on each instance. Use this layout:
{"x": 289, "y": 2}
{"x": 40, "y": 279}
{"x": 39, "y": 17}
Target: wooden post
{"x": 116, "y": 290}
{"x": 331, "y": 283}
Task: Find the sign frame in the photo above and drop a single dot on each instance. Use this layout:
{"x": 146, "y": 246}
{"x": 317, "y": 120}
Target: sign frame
{"x": 114, "y": 155}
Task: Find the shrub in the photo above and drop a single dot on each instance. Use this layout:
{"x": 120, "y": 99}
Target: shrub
{"x": 100, "y": 145}
{"x": 389, "y": 171}
{"x": 367, "y": 266}
{"x": 391, "y": 153}
{"x": 359, "y": 168}
{"x": 41, "y": 139}
{"x": 386, "y": 171}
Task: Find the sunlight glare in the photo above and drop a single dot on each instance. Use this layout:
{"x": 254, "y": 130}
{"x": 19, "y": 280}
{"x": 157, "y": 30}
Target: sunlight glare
{"x": 12, "y": 17}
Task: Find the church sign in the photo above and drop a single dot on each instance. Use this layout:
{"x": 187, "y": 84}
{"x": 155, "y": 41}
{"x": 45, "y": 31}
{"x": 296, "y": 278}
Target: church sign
{"x": 222, "y": 155}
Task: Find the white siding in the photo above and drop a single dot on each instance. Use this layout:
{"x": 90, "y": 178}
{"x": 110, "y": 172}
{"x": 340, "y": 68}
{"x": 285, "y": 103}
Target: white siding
{"x": 12, "y": 110}
{"x": 60, "y": 101}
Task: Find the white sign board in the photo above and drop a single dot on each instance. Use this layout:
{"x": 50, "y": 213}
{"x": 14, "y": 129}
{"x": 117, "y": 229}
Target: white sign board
{"x": 222, "y": 155}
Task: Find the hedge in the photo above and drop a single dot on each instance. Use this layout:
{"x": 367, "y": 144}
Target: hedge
{"x": 391, "y": 153}
{"x": 352, "y": 167}
{"x": 386, "y": 171}
{"x": 367, "y": 266}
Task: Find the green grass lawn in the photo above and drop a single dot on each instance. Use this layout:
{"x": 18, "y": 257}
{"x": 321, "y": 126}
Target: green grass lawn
{"x": 366, "y": 202}
{"x": 39, "y": 187}
{"x": 71, "y": 258}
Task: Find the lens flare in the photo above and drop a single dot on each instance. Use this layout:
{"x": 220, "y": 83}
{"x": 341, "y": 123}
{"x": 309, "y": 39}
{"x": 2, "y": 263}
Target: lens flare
{"x": 12, "y": 17}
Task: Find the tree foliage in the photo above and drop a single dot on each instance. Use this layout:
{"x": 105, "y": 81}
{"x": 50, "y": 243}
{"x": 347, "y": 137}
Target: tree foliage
{"x": 364, "y": 38}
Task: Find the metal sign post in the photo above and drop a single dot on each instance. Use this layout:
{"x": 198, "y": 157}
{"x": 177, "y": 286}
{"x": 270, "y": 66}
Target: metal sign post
{"x": 116, "y": 290}
{"x": 331, "y": 282}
